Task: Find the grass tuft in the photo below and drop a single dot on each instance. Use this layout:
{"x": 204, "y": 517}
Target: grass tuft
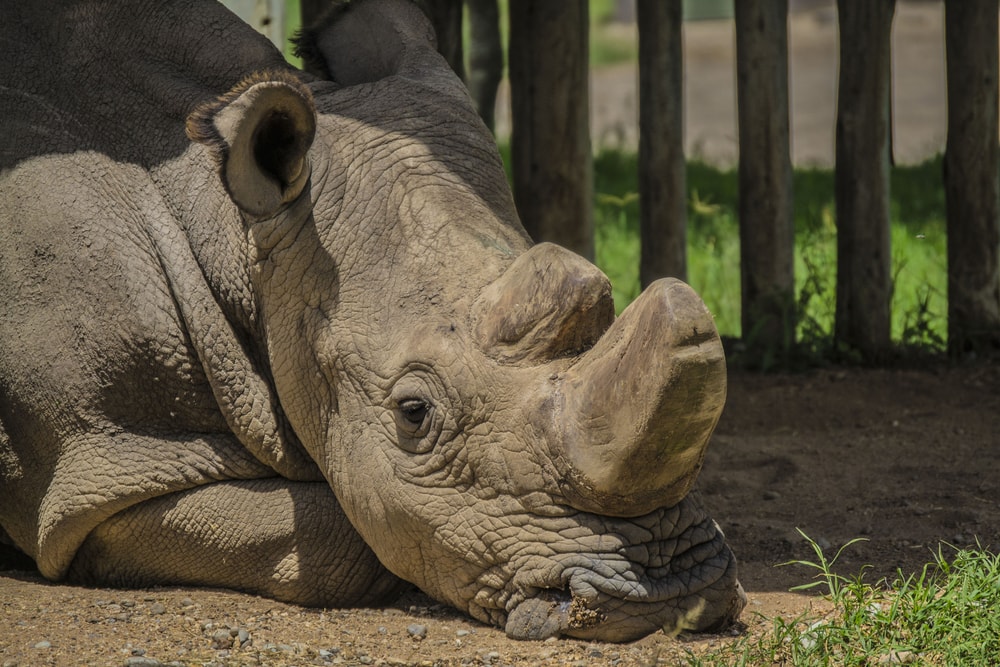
{"x": 945, "y": 615}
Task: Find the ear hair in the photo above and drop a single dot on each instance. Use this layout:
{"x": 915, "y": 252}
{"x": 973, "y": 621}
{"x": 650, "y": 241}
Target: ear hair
{"x": 200, "y": 126}
{"x": 259, "y": 134}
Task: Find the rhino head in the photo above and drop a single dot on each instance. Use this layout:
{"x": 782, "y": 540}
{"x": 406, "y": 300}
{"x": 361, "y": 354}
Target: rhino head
{"x": 493, "y": 433}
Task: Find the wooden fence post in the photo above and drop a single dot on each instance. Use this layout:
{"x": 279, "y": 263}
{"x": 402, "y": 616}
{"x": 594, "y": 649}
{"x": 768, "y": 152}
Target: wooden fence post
{"x": 550, "y": 116}
{"x": 485, "y": 57}
{"x": 662, "y": 170}
{"x": 972, "y": 190}
{"x": 864, "y": 261}
{"x": 767, "y": 227}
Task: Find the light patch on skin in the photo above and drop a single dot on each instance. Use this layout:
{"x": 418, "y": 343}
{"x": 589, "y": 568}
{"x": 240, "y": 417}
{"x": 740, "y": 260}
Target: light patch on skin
{"x": 685, "y": 621}
{"x": 496, "y": 244}
{"x": 288, "y": 568}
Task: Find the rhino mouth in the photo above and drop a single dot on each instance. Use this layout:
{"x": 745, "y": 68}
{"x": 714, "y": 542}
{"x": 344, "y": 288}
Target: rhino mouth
{"x": 685, "y": 581}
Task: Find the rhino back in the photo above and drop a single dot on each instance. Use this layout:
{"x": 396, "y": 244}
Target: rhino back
{"x": 116, "y": 78}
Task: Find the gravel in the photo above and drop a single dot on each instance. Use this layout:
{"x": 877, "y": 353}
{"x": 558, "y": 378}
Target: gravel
{"x": 182, "y": 628}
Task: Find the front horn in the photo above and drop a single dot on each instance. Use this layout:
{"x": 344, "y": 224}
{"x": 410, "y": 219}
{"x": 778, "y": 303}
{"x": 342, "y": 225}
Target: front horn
{"x": 628, "y": 422}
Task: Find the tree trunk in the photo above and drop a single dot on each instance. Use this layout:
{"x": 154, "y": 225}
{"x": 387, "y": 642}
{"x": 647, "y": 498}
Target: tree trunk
{"x": 550, "y": 138}
{"x": 485, "y": 57}
{"x": 864, "y": 260}
{"x": 972, "y": 190}
{"x": 767, "y": 231}
{"x": 446, "y": 16}
{"x": 662, "y": 178}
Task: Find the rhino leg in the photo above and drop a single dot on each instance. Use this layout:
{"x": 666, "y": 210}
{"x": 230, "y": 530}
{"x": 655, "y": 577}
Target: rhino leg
{"x": 281, "y": 539}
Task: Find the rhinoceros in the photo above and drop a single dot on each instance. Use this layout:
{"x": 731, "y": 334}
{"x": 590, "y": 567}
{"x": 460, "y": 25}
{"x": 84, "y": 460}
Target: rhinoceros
{"x": 284, "y": 333}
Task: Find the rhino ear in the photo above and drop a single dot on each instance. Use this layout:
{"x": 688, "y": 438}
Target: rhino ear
{"x": 366, "y": 40}
{"x": 260, "y": 133}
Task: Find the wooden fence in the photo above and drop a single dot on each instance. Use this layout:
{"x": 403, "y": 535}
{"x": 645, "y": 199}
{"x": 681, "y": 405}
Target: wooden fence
{"x": 553, "y": 177}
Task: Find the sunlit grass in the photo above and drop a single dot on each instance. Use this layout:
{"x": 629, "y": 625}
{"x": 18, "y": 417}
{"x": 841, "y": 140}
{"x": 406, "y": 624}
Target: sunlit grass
{"x": 918, "y": 245}
{"x": 944, "y": 615}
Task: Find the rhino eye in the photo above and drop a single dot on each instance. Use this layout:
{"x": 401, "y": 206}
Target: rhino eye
{"x": 419, "y": 421}
{"x": 413, "y": 413}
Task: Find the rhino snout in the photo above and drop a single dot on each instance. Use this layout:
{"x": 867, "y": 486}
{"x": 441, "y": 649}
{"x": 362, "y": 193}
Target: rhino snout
{"x": 683, "y": 580}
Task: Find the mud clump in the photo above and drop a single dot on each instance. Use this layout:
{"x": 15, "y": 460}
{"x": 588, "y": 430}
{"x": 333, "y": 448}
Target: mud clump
{"x": 580, "y": 616}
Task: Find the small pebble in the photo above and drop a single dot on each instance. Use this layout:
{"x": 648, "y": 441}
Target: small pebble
{"x": 221, "y": 640}
{"x": 417, "y": 631}
{"x": 138, "y": 661}
{"x": 157, "y": 609}
{"x": 898, "y": 658}
{"x": 462, "y": 633}
{"x": 43, "y": 644}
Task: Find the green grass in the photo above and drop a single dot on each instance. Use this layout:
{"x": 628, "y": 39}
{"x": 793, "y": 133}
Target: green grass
{"x": 918, "y": 246}
{"x": 945, "y": 615}
{"x": 293, "y": 21}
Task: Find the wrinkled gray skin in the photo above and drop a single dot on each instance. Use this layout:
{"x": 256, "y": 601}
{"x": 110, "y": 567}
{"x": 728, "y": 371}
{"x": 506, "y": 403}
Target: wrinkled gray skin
{"x": 304, "y": 348}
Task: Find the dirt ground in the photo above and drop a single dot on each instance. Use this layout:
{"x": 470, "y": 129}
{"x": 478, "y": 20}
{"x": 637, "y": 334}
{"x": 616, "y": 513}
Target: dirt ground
{"x": 906, "y": 458}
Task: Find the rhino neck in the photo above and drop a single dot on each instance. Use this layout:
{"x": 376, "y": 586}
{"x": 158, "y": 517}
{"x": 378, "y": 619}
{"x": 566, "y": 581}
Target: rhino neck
{"x": 203, "y": 249}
